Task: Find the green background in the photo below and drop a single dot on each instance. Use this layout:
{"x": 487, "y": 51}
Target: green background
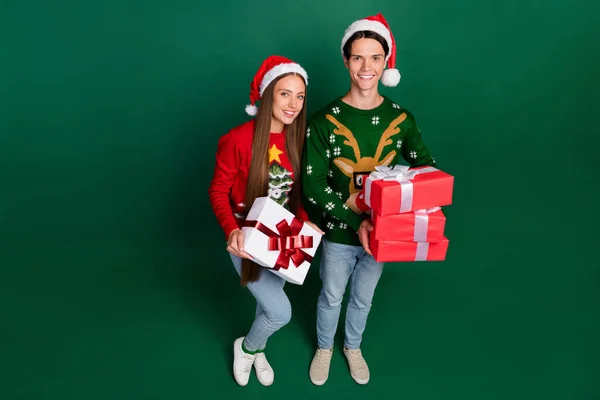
{"x": 114, "y": 279}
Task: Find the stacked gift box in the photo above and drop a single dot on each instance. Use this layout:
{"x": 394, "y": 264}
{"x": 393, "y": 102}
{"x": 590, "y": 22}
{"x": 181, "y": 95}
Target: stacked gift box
{"x": 405, "y": 206}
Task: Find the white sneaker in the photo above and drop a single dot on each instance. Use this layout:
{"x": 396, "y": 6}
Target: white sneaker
{"x": 319, "y": 367}
{"x": 264, "y": 372}
{"x": 242, "y": 363}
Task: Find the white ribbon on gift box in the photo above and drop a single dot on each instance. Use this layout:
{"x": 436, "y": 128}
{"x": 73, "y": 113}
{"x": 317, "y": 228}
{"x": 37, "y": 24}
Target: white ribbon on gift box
{"x": 400, "y": 174}
{"x": 422, "y": 223}
{"x": 422, "y": 250}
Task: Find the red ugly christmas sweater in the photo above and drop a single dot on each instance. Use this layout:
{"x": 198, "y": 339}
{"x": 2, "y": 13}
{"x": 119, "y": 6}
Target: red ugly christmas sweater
{"x": 227, "y": 190}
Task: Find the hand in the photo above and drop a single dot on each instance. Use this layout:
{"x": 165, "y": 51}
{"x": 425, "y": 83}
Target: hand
{"x": 363, "y": 234}
{"x": 315, "y": 227}
{"x": 235, "y": 244}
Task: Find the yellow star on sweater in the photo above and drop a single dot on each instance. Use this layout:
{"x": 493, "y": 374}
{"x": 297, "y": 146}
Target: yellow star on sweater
{"x": 274, "y": 153}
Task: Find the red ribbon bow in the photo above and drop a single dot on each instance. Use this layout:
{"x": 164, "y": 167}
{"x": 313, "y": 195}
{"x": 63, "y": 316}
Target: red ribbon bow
{"x": 288, "y": 242}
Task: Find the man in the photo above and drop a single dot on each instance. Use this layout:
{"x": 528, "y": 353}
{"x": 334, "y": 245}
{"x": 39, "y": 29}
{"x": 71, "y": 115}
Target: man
{"x": 345, "y": 141}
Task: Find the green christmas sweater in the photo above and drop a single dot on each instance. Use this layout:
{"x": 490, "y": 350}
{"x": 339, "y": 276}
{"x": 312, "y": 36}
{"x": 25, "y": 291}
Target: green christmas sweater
{"x": 343, "y": 146}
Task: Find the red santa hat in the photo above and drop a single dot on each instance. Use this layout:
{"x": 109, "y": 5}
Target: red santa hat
{"x": 272, "y": 68}
{"x": 378, "y": 24}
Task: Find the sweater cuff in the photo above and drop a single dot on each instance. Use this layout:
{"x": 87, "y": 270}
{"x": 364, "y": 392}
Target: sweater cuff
{"x": 302, "y": 214}
{"x": 354, "y": 220}
{"x": 230, "y": 227}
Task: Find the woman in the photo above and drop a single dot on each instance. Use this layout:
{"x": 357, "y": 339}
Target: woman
{"x": 258, "y": 158}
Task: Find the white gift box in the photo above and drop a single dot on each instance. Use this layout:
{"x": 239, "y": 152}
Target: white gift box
{"x": 279, "y": 241}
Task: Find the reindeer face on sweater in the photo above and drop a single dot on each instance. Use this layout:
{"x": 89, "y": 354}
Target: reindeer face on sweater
{"x": 361, "y": 166}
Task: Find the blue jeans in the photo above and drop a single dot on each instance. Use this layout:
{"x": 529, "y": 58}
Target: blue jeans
{"x": 341, "y": 263}
{"x": 273, "y": 308}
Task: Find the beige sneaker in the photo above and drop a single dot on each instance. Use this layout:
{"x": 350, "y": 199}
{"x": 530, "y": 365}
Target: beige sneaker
{"x": 359, "y": 370}
{"x": 319, "y": 367}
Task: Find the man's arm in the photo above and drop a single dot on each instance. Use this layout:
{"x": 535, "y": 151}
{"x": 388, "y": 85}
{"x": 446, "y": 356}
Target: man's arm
{"x": 315, "y": 188}
{"x": 414, "y": 150}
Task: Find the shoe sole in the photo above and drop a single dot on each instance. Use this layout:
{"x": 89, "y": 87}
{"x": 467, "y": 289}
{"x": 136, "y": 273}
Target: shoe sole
{"x": 359, "y": 381}
{"x": 265, "y": 383}
{"x": 318, "y": 383}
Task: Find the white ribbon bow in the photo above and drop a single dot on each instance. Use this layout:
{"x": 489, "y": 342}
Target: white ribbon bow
{"x": 397, "y": 173}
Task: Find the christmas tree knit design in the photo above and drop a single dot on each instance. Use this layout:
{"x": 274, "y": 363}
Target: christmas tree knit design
{"x": 280, "y": 183}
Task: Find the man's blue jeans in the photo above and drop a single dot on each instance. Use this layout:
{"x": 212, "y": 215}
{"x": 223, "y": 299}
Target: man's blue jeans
{"x": 339, "y": 264}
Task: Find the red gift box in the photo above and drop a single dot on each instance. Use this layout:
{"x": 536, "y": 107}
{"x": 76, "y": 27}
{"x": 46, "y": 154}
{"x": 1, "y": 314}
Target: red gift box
{"x": 418, "y": 226}
{"x": 399, "y": 251}
{"x": 402, "y": 189}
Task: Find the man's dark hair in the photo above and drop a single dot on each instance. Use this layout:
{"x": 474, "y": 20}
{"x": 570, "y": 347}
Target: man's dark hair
{"x": 366, "y": 35}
